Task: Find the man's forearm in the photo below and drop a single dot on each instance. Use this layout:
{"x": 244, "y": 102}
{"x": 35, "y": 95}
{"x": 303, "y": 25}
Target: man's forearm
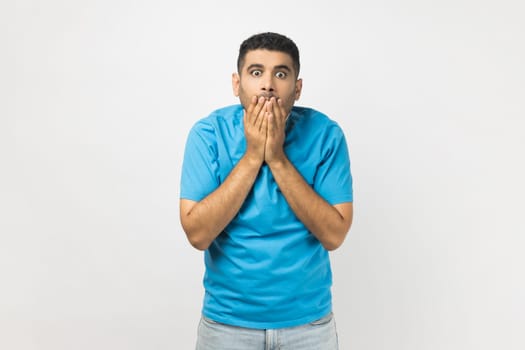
{"x": 328, "y": 223}
{"x": 203, "y": 221}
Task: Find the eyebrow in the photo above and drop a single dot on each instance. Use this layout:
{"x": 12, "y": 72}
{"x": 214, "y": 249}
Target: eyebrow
{"x": 283, "y": 67}
{"x": 278, "y": 67}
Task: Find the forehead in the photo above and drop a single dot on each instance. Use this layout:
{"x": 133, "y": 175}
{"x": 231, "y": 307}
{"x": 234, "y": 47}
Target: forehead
{"x": 268, "y": 59}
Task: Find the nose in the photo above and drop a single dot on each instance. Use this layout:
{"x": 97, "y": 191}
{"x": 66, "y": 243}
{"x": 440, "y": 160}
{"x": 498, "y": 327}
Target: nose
{"x": 267, "y": 83}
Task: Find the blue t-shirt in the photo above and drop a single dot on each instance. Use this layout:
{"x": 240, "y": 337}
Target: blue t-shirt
{"x": 266, "y": 270}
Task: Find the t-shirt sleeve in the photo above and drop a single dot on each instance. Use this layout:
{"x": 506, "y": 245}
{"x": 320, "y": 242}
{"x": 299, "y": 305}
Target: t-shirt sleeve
{"x": 333, "y": 180}
{"x": 200, "y": 168}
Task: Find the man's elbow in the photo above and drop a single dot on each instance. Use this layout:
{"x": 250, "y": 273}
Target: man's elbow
{"x": 199, "y": 236}
{"x": 198, "y": 244}
{"x": 334, "y": 240}
{"x": 198, "y": 240}
{"x": 333, "y": 244}
{"x": 196, "y": 236}
{"x": 336, "y": 233}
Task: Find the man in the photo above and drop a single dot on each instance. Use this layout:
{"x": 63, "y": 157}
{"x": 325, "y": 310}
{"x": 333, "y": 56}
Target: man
{"x": 266, "y": 192}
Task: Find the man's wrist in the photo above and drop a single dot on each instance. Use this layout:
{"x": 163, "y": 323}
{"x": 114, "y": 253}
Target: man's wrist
{"x": 278, "y": 163}
{"x": 253, "y": 159}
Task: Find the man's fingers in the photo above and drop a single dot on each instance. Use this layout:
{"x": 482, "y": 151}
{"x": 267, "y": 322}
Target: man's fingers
{"x": 260, "y": 124}
{"x": 271, "y": 123}
{"x": 251, "y": 115}
{"x": 256, "y": 113}
{"x": 251, "y": 106}
{"x": 274, "y": 108}
{"x": 279, "y": 106}
{"x": 263, "y": 127}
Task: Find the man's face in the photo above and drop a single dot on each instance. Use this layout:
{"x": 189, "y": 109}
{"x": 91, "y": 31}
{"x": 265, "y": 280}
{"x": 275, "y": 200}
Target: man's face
{"x": 267, "y": 73}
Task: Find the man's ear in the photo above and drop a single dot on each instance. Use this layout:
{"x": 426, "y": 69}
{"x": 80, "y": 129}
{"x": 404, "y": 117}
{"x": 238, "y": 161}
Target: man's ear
{"x": 298, "y": 88}
{"x": 236, "y": 82}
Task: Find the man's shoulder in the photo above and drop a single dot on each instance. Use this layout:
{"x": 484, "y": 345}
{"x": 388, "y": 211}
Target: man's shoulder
{"x": 225, "y": 119}
{"x": 221, "y": 115}
{"x": 312, "y": 117}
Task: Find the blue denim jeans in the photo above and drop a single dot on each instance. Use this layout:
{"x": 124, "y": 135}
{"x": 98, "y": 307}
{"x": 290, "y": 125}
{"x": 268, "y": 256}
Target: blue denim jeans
{"x": 318, "y": 335}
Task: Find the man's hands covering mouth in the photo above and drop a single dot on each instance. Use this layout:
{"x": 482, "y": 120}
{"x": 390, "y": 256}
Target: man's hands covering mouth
{"x": 264, "y": 126}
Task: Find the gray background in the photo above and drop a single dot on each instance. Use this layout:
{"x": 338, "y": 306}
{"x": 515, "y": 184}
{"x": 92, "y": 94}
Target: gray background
{"x": 97, "y": 97}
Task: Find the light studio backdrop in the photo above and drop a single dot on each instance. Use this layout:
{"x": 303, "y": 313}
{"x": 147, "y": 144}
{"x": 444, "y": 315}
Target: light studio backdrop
{"x": 96, "y": 100}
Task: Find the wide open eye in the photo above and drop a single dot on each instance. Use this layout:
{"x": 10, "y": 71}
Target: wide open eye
{"x": 256, "y": 73}
{"x": 281, "y": 75}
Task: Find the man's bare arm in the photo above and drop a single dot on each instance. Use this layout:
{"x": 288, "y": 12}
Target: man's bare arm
{"x": 203, "y": 221}
{"x": 328, "y": 223}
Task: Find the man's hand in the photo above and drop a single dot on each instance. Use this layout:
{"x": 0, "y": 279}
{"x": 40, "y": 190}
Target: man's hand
{"x": 276, "y": 116}
{"x": 255, "y": 128}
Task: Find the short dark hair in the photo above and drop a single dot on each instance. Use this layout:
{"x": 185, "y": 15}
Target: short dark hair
{"x": 269, "y": 41}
